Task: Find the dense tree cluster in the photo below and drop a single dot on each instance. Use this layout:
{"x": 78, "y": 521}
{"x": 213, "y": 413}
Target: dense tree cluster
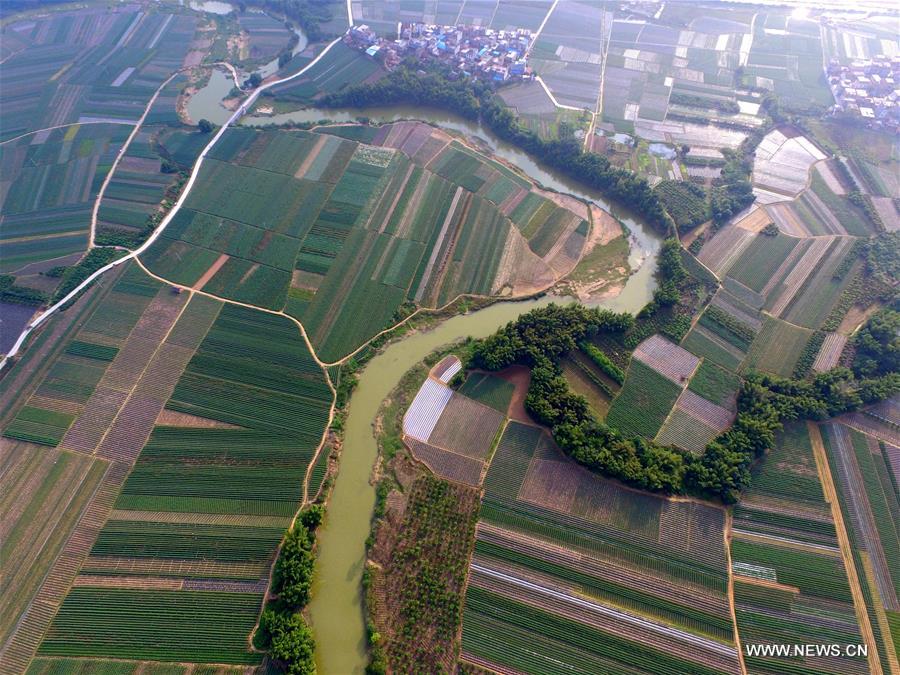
{"x": 539, "y": 339}
{"x": 283, "y": 632}
{"x": 877, "y": 344}
{"x": 686, "y": 202}
{"x": 309, "y": 14}
{"x": 434, "y": 84}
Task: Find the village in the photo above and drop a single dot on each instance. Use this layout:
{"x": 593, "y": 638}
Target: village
{"x": 475, "y": 51}
{"x": 869, "y": 89}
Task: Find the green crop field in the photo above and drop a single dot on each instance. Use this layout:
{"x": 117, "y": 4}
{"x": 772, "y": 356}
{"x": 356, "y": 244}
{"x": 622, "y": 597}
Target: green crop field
{"x": 761, "y": 259}
{"x": 643, "y": 403}
{"x": 786, "y": 497}
{"x": 208, "y": 498}
{"x": 794, "y": 543}
{"x": 536, "y": 504}
{"x": 341, "y": 67}
{"x": 187, "y": 626}
{"x": 861, "y": 477}
{"x": 341, "y": 234}
{"x": 52, "y": 188}
{"x": 89, "y": 65}
{"x": 715, "y": 384}
{"x": 777, "y": 347}
{"x": 488, "y": 389}
{"x": 62, "y": 393}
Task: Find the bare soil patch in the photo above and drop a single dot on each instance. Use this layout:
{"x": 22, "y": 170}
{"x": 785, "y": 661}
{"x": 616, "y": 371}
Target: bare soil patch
{"x": 171, "y": 418}
{"x": 211, "y": 272}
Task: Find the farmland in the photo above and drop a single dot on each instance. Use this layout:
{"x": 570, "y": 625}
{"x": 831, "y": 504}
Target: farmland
{"x": 342, "y": 67}
{"x": 68, "y": 392}
{"x": 89, "y": 65}
{"x": 419, "y": 220}
{"x": 383, "y": 15}
{"x": 451, "y": 433}
{"x": 414, "y": 595}
{"x": 656, "y": 377}
{"x": 571, "y": 562}
{"x": 130, "y": 206}
{"x": 569, "y": 53}
{"x": 54, "y": 179}
{"x": 208, "y": 499}
{"x": 644, "y": 402}
{"x": 789, "y": 573}
{"x": 860, "y": 468}
{"x": 193, "y": 526}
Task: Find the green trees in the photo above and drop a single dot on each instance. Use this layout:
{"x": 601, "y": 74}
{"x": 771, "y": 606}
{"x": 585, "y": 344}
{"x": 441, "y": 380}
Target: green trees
{"x": 540, "y": 338}
{"x": 290, "y": 641}
{"x": 205, "y": 126}
{"x": 283, "y": 632}
{"x": 878, "y": 344}
{"x": 434, "y": 84}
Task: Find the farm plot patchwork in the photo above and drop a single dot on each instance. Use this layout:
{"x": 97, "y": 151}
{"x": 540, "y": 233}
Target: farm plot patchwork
{"x": 785, "y": 501}
{"x": 786, "y": 58}
{"x": 451, "y": 433}
{"x": 52, "y": 179}
{"x": 671, "y": 82}
{"x": 592, "y": 572}
{"x": 782, "y": 164}
{"x": 868, "y": 502}
{"x": 790, "y": 582}
{"x": 45, "y": 493}
{"x": 266, "y": 35}
{"x": 89, "y": 65}
{"x": 207, "y": 502}
{"x": 133, "y": 197}
{"x": 278, "y": 217}
{"x": 341, "y": 67}
{"x": 68, "y": 388}
{"x": 569, "y": 53}
{"x": 644, "y": 402}
{"x": 658, "y": 373}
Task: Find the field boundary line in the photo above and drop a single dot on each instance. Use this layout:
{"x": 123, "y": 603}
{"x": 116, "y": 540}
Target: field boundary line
{"x": 831, "y": 496}
{"x": 69, "y": 124}
{"x": 124, "y": 149}
{"x": 540, "y": 29}
{"x": 195, "y": 171}
{"x": 732, "y": 609}
{"x": 140, "y": 377}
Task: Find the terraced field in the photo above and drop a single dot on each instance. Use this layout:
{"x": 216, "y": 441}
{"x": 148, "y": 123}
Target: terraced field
{"x": 593, "y": 573}
{"x": 277, "y": 219}
{"x": 644, "y": 402}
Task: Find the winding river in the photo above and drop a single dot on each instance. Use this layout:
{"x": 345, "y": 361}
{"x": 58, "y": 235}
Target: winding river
{"x": 336, "y": 609}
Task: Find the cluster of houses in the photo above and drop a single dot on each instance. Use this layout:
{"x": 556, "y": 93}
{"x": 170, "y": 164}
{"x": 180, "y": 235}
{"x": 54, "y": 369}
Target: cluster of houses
{"x": 868, "y": 88}
{"x": 474, "y": 51}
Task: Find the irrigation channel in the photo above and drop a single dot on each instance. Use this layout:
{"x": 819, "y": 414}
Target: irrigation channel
{"x": 336, "y": 609}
